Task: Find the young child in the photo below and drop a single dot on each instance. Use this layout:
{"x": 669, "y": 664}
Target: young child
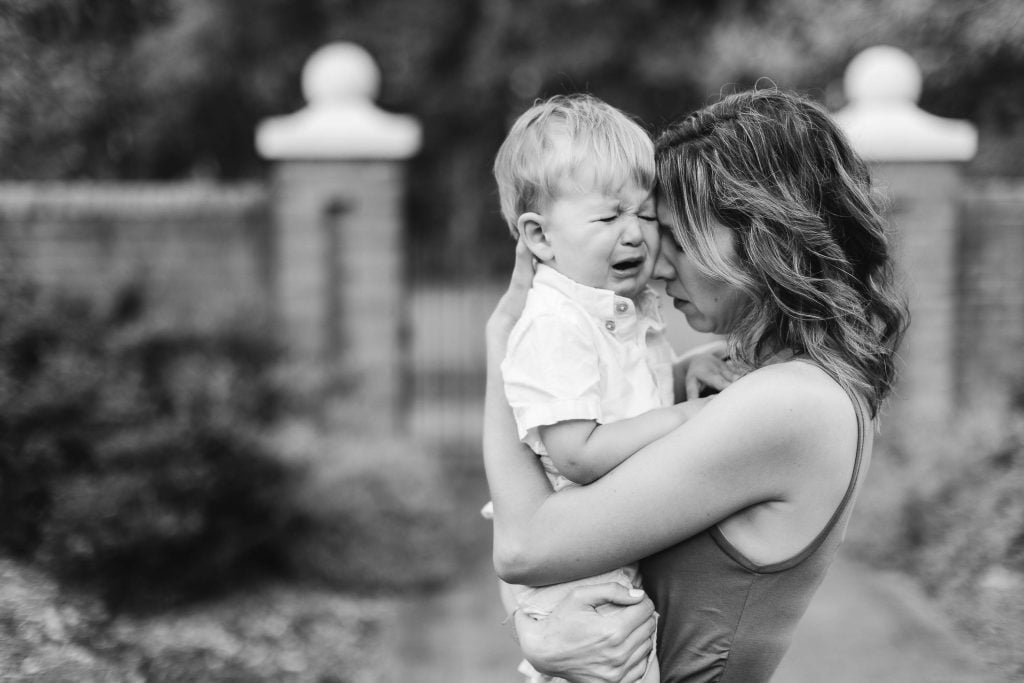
{"x": 589, "y": 372}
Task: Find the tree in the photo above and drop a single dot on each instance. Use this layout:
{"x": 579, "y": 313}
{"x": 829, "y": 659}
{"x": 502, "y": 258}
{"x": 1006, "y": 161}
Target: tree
{"x": 175, "y": 88}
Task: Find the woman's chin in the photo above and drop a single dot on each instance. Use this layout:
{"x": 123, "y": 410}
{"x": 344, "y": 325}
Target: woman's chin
{"x": 697, "y": 322}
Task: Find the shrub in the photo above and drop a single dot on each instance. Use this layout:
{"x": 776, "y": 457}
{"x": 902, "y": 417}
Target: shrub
{"x": 378, "y": 515}
{"x": 951, "y": 514}
{"x": 132, "y": 456}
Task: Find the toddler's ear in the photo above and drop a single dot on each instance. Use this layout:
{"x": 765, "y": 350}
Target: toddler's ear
{"x": 531, "y": 231}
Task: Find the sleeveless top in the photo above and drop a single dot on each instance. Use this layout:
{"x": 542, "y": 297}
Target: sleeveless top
{"x": 726, "y": 619}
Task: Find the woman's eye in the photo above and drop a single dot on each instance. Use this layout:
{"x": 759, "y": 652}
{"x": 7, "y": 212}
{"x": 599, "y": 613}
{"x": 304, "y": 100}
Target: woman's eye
{"x": 649, "y": 218}
{"x": 607, "y": 219}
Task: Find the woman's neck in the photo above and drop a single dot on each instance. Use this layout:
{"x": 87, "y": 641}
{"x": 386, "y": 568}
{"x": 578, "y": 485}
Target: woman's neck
{"x": 770, "y": 356}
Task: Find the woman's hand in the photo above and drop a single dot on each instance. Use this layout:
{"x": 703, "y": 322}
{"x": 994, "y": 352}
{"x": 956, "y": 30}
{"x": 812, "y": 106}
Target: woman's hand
{"x": 601, "y": 633}
{"x": 511, "y": 304}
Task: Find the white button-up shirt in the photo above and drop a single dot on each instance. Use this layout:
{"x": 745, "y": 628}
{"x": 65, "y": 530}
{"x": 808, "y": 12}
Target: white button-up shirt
{"x": 581, "y": 353}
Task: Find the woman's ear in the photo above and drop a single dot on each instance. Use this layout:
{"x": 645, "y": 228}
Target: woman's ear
{"x": 531, "y": 231}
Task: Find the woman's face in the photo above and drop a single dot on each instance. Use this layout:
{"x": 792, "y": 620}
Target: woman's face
{"x": 710, "y": 305}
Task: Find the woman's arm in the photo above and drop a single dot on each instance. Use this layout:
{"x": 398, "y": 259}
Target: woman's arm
{"x": 514, "y": 474}
{"x": 752, "y": 444}
{"x": 516, "y": 480}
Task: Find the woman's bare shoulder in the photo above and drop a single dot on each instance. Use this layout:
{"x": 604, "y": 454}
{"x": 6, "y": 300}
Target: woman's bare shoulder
{"x": 807, "y": 435}
{"x": 787, "y": 403}
{"x": 792, "y": 384}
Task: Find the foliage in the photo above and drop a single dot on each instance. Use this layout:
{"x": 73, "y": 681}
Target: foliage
{"x": 280, "y": 633}
{"x": 383, "y": 513}
{"x": 173, "y": 88}
{"x": 131, "y": 458}
{"x": 967, "y": 537}
{"x": 949, "y": 513}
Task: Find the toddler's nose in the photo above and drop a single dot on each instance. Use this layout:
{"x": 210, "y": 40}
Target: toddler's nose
{"x": 631, "y": 233}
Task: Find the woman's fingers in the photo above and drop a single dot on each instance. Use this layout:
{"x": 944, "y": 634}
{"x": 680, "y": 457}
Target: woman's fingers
{"x": 638, "y": 639}
{"x": 600, "y": 595}
{"x": 635, "y": 671}
{"x": 511, "y": 304}
{"x": 636, "y": 650}
{"x": 524, "y": 257}
{"x": 631, "y": 619}
{"x": 595, "y": 634}
{"x": 524, "y": 268}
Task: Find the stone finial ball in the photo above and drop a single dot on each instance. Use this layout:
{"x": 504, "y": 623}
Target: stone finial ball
{"x": 338, "y": 72}
{"x": 882, "y": 73}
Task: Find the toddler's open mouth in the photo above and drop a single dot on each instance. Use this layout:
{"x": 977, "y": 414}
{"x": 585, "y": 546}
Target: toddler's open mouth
{"x": 626, "y": 265}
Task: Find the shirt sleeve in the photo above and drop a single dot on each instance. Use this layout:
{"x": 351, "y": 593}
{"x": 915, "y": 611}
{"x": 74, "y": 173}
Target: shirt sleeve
{"x": 551, "y": 374}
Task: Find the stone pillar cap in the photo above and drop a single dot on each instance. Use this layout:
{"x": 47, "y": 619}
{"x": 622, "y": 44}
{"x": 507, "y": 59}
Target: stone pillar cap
{"x": 883, "y": 121}
{"x": 340, "y": 121}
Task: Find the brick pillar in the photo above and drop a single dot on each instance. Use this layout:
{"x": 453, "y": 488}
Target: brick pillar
{"x": 918, "y": 160}
{"x": 338, "y": 185}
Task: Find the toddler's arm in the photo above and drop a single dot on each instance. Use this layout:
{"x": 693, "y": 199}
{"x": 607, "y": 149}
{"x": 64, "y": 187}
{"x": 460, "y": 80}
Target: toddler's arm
{"x": 584, "y": 450}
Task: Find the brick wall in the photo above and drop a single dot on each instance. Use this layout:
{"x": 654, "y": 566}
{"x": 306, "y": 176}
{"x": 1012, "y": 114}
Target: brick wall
{"x": 202, "y": 249}
{"x": 990, "y": 339}
{"x": 208, "y": 249}
{"x": 924, "y": 202}
{"x": 338, "y": 274}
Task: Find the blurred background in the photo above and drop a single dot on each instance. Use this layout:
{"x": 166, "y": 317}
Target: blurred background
{"x": 240, "y": 392}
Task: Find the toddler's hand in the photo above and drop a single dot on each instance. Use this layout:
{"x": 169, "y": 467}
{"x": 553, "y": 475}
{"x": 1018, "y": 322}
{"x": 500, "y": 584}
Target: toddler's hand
{"x": 708, "y": 371}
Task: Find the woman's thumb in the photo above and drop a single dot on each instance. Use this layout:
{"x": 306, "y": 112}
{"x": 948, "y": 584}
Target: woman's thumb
{"x": 604, "y": 593}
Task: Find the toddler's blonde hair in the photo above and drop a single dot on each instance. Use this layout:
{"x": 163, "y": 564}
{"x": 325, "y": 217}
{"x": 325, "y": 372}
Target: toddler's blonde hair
{"x": 569, "y": 142}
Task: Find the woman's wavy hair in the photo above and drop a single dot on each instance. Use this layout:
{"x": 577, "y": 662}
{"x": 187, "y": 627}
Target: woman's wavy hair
{"x": 811, "y": 247}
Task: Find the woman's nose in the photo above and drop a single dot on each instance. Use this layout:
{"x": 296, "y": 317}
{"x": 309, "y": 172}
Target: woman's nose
{"x": 663, "y": 269}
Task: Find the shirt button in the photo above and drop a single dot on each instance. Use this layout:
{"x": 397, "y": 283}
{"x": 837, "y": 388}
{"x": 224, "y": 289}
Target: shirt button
{"x": 610, "y": 325}
{"x": 621, "y": 307}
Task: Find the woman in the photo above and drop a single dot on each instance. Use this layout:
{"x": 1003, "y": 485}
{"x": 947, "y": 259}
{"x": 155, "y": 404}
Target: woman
{"x": 770, "y": 238}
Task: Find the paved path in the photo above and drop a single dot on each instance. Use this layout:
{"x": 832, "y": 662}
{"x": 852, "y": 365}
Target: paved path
{"x": 457, "y": 637}
{"x": 863, "y": 626}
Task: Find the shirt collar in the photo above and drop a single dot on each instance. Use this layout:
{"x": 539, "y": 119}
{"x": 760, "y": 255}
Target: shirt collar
{"x": 601, "y": 303}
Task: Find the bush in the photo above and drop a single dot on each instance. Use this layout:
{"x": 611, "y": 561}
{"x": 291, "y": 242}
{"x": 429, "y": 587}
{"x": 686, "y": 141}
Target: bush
{"x": 131, "y": 456}
{"x": 378, "y": 515}
{"x": 951, "y": 514}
